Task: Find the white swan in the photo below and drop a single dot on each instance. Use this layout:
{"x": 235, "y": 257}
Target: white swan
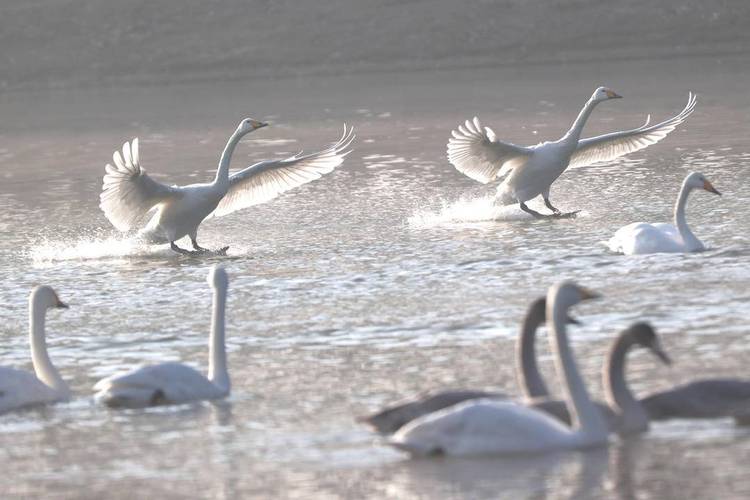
{"x": 529, "y": 171}
{"x": 624, "y": 413}
{"x": 392, "y": 418}
{"x": 19, "y": 389}
{"x": 487, "y": 427}
{"x": 129, "y": 194}
{"x": 644, "y": 238}
{"x": 175, "y": 383}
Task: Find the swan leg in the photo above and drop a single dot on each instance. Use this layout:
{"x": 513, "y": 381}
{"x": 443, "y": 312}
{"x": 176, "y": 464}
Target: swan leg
{"x": 196, "y": 246}
{"x": 548, "y": 204}
{"x": 177, "y": 249}
{"x": 532, "y": 212}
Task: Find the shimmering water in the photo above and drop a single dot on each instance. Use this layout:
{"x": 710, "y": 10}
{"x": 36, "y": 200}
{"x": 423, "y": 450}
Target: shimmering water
{"x": 391, "y": 276}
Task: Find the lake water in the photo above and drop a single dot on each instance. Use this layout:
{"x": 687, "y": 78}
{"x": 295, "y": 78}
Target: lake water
{"x": 392, "y": 276}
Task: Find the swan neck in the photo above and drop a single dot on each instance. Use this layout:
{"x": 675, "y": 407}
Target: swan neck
{"x": 222, "y": 173}
{"x": 531, "y": 381}
{"x": 584, "y": 415}
{"x": 576, "y": 129}
{"x": 681, "y": 222}
{"x": 616, "y": 388}
{"x": 217, "y": 363}
{"x": 43, "y": 367}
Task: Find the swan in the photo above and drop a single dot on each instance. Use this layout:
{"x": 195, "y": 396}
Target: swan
{"x": 129, "y": 194}
{"x": 175, "y": 383}
{"x": 707, "y": 398}
{"x": 491, "y": 427}
{"x": 20, "y": 389}
{"x": 624, "y": 413}
{"x": 528, "y": 171}
{"x": 392, "y": 418}
{"x": 644, "y": 238}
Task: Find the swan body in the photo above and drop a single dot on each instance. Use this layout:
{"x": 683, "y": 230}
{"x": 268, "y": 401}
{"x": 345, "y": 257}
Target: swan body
{"x": 709, "y": 398}
{"x": 489, "y": 427}
{"x": 529, "y": 171}
{"x": 644, "y": 238}
{"x": 129, "y": 195}
{"x": 175, "y": 383}
{"x": 21, "y": 389}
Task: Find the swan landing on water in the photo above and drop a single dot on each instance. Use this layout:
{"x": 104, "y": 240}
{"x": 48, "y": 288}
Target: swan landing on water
{"x": 528, "y": 171}
{"x": 129, "y": 194}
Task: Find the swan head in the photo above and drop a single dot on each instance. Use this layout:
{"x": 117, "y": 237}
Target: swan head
{"x": 538, "y": 310}
{"x": 644, "y": 335}
{"x": 248, "y": 125}
{"x": 567, "y": 294}
{"x": 697, "y": 180}
{"x": 46, "y": 298}
{"x": 217, "y": 277}
{"x": 604, "y": 94}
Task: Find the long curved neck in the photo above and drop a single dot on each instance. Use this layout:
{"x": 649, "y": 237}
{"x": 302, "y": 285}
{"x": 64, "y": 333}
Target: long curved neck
{"x": 574, "y": 134}
{"x": 222, "y": 173}
{"x": 217, "y": 362}
{"x": 530, "y": 379}
{"x": 584, "y": 415}
{"x": 681, "y": 222}
{"x": 619, "y": 397}
{"x": 43, "y": 367}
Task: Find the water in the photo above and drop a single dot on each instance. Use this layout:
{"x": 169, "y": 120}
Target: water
{"x": 392, "y": 276}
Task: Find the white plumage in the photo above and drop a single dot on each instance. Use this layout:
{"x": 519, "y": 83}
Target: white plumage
{"x": 491, "y": 427}
{"x": 20, "y": 389}
{"x": 528, "y": 172}
{"x": 129, "y": 195}
{"x": 645, "y": 238}
{"x": 175, "y": 383}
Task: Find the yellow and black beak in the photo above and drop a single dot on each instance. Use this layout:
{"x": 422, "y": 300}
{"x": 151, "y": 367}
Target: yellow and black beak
{"x": 612, "y": 94}
{"x": 657, "y": 349}
{"x": 587, "y": 294}
{"x": 61, "y": 304}
{"x": 257, "y": 125}
{"x": 710, "y": 188}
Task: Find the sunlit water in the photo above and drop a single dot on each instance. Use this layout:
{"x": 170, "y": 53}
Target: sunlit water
{"x": 392, "y": 276}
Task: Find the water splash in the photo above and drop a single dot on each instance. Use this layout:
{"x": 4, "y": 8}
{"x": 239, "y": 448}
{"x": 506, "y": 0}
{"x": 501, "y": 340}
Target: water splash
{"x": 92, "y": 248}
{"x": 466, "y": 210}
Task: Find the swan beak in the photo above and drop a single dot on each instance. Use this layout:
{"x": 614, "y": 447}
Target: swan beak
{"x": 613, "y": 95}
{"x": 710, "y": 188}
{"x": 656, "y": 348}
{"x": 257, "y": 125}
{"x": 61, "y": 304}
{"x": 587, "y": 294}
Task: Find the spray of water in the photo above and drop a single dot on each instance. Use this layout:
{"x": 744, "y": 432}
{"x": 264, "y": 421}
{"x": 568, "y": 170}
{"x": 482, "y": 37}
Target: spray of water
{"x": 466, "y": 210}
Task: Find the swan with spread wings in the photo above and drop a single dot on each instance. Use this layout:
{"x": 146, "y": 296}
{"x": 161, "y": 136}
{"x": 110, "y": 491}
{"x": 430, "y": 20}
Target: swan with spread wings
{"x": 129, "y": 195}
{"x": 528, "y": 171}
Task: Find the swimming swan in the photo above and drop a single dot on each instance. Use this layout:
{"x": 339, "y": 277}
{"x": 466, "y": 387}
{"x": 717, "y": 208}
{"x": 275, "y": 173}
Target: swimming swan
{"x": 392, "y": 418}
{"x": 175, "y": 383}
{"x": 708, "y": 398}
{"x": 528, "y": 171}
{"x": 644, "y": 238}
{"x": 129, "y": 194}
{"x": 623, "y": 412}
{"x": 489, "y": 427}
{"x": 20, "y": 389}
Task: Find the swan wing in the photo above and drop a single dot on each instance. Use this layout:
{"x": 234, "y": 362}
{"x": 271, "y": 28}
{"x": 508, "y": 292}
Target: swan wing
{"x": 128, "y": 193}
{"x": 156, "y": 384}
{"x": 476, "y": 152}
{"x": 607, "y": 147}
{"x": 394, "y": 417}
{"x": 643, "y": 238}
{"x": 483, "y": 427}
{"x": 266, "y": 180}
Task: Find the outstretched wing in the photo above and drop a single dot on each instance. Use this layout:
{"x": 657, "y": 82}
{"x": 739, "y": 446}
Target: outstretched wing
{"x": 475, "y": 151}
{"x": 128, "y": 193}
{"x": 266, "y": 180}
{"x": 607, "y": 147}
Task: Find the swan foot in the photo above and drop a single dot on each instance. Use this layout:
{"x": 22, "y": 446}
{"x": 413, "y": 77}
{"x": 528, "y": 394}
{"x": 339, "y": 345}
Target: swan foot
{"x": 534, "y": 213}
{"x": 196, "y": 246}
{"x": 566, "y": 215}
{"x": 198, "y": 251}
{"x": 548, "y": 204}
